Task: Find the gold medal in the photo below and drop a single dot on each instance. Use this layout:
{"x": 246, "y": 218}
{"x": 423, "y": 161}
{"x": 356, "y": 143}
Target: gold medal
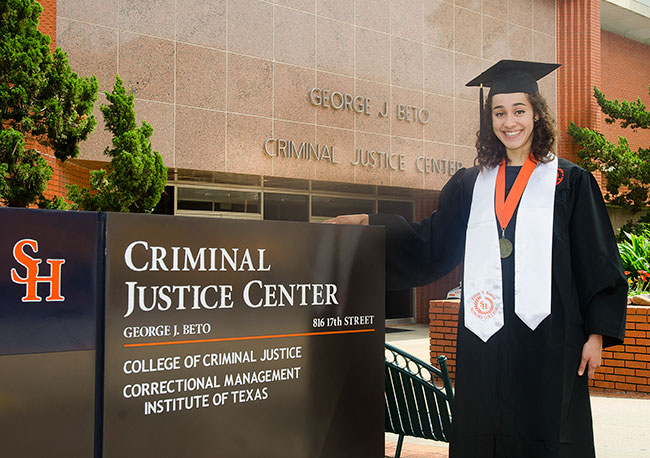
{"x": 505, "y": 247}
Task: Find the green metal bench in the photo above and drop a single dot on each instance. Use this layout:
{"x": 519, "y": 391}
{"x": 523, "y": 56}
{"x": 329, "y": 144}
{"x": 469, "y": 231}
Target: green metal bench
{"x": 418, "y": 397}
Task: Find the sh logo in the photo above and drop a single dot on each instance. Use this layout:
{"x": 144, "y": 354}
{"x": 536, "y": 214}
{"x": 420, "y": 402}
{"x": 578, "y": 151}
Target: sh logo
{"x": 32, "y": 278}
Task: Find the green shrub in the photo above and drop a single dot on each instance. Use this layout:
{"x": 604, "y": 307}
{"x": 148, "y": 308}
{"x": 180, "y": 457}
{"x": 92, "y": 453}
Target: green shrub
{"x": 635, "y": 257}
{"x": 637, "y": 228}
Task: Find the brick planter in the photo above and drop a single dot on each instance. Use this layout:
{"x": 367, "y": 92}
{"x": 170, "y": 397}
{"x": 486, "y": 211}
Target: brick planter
{"x": 443, "y": 320}
{"x": 625, "y": 368}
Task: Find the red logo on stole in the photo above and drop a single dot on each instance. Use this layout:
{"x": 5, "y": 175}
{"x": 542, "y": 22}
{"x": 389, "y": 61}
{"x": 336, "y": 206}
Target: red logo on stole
{"x": 32, "y": 277}
{"x": 483, "y": 305}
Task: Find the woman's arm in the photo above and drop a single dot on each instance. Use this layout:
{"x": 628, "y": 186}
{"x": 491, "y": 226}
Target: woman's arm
{"x": 419, "y": 253}
{"x": 592, "y": 352}
{"x": 360, "y": 219}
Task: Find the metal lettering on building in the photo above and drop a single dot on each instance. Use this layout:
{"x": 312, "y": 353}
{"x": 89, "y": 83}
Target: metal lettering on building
{"x": 281, "y": 147}
{"x": 337, "y": 100}
{"x": 371, "y": 158}
{"x": 363, "y": 157}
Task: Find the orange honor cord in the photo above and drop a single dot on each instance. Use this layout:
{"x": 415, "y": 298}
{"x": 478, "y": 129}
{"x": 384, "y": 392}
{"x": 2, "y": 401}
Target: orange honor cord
{"x": 505, "y": 208}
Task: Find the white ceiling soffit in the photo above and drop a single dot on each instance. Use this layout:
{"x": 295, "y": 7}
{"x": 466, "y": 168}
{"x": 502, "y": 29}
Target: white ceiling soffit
{"x": 628, "y": 18}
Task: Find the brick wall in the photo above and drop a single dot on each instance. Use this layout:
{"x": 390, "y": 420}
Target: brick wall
{"x": 625, "y": 368}
{"x": 590, "y": 57}
{"x": 626, "y": 76}
{"x": 64, "y": 173}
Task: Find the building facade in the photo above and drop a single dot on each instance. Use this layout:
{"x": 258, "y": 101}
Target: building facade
{"x": 304, "y": 109}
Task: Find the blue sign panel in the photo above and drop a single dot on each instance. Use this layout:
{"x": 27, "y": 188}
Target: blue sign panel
{"x": 48, "y": 280}
{"x": 48, "y": 309}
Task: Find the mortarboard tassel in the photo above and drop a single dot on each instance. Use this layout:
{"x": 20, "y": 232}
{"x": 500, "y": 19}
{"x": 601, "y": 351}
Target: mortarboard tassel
{"x": 481, "y": 115}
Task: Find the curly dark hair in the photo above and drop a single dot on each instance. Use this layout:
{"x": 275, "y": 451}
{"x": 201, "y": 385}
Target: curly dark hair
{"x": 490, "y": 149}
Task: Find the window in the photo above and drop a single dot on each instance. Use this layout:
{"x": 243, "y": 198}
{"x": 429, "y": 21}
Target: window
{"x": 286, "y": 207}
{"x": 218, "y": 201}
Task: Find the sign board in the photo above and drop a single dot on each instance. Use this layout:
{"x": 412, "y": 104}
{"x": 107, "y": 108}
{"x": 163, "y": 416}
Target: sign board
{"x": 49, "y": 295}
{"x": 242, "y": 339}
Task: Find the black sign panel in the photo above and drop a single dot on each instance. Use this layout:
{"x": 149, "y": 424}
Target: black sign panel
{"x": 242, "y": 339}
{"x": 48, "y": 286}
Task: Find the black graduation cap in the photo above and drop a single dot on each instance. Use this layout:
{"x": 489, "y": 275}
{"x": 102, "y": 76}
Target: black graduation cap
{"x": 508, "y": 76}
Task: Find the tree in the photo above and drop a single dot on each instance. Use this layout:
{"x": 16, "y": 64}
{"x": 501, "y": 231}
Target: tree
{"x": 41, "y": 101}
{"x": 621, "y": 167}
{"x": 136, "y": 177}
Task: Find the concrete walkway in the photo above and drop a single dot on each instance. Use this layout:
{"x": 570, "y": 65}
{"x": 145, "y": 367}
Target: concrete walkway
{"x": 621, "y": 424}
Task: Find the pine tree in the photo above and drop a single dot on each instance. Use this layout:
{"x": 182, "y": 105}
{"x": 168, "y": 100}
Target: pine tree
{"x": 42, "y": 102}
{"x": 136, "y": 177}
{"x": 621, "y": 167}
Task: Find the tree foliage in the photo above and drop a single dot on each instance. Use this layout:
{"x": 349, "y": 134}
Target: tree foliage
{"x": 41, "y": 100}
{"x": 136, "y": 177}
{"x": 23, "y": 172}
{"x": 627, "y": 172}
{"x": 638, "y": 227}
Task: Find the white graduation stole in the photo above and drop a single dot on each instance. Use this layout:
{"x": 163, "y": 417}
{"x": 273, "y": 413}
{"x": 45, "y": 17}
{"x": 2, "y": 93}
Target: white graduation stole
{"x": 482, "y": 280}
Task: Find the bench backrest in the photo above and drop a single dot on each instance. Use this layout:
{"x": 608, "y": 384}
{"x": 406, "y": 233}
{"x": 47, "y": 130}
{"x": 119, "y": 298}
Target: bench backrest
{"x": 418, "y": 396}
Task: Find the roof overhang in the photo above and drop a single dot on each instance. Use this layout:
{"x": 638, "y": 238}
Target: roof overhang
{"x": 628, "y": 18}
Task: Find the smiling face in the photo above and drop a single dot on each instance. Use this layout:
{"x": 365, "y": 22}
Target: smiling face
{"x": 513, "y": 122}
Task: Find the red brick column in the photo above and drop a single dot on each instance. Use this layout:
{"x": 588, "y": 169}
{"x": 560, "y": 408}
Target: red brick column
{"x": 578, "y": 50}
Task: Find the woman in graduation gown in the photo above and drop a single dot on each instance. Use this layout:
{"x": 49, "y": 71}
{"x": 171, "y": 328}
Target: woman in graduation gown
{"x": 543, "y": 287}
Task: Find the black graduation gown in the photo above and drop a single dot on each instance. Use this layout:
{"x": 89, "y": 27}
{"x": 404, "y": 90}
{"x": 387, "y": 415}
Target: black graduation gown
{"x": 518, "y": 394}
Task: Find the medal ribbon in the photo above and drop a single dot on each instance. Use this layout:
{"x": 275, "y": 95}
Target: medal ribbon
{"x": 505, "y": 208}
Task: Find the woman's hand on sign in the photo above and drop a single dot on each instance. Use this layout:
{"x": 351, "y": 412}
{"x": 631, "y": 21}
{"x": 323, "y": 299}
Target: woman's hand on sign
{"x": 592, "y": 352}
{"x": 360, "y": 219}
